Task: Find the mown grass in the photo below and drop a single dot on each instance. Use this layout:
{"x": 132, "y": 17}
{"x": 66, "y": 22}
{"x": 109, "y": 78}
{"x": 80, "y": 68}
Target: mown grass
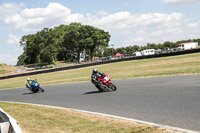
{"x": 37, "y": 119}
{"x": 176, "y": 65}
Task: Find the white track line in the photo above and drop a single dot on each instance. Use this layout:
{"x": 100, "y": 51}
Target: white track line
{"x": 113, "y": 116}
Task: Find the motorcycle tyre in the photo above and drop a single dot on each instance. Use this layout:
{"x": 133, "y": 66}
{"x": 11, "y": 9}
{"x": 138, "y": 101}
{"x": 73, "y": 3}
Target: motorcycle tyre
{"x": 113, "y": 87}
{"x": 34, "y": 90}
{"x": 41, "y": 89}
{"x": 99, "y": 88}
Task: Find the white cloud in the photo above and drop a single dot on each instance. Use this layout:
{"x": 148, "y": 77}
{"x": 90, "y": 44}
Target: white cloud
{"x": 166, "y": 32}
{"x": 54, "y": 14}
{"x": 37, "y": 18}
{"x": 13, "y": 39}
{"x": 102, "y": 13}
{"x": 135, "y": 40}
{"x": 74, "y": 18}
{"x": 127, "y": 21}
{"x": 194, "y": 25}
{"x": 9, "y": 59}
{"x": 53, "y": 9}
{"x": 8, "y": 9}
{"x": 182, "y": 2}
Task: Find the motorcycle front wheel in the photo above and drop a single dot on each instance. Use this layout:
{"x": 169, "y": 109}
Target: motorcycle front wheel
{"x": 113, "y": 87}
{"x": 42, "y": 90}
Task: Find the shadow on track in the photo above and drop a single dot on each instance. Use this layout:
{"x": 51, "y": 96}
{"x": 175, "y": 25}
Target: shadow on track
{"x": 92, "y": 92}
{"x": 95, "y": 92}
{"x": 30, "y": 93}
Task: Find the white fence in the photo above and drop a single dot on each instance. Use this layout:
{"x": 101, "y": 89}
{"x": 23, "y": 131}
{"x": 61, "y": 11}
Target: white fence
{"x": 8, "y": 124}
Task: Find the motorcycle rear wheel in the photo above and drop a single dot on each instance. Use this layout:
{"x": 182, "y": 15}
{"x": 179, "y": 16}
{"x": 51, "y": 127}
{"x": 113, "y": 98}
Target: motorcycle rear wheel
{"x": 99, "y": 88}
{"x": 34, "y": 90}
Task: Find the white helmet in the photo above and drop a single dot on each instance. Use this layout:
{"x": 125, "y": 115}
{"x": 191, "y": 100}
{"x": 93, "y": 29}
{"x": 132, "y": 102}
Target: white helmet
{"x": 28, "y": 79}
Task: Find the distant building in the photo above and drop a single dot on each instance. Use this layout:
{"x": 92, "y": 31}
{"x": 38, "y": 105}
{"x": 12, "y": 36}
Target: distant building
{"x": 148, "y": 52}
{"x": 137, "y": 53}
{"x": 188, "y": 45}
{"x": 144, "y": 52}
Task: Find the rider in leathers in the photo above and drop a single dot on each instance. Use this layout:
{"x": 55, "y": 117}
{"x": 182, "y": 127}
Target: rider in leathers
{"x": 95, "y": 75}
{"x": 28, "y": 83}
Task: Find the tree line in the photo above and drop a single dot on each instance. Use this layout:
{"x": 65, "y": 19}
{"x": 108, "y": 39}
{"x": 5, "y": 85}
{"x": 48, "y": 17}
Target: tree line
{"x": 67, "y": 42}
{"x": 62, "y": 43}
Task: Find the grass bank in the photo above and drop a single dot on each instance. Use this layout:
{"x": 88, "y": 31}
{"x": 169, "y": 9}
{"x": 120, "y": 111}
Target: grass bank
{"x": 6, "y": 68}
{"x": 37, "y": 119}
{"x": 176, "y": 65}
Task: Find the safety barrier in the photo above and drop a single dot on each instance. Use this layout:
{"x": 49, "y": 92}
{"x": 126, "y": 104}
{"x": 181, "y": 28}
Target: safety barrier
{"x": 8, "y": 124}
{"x": 104, "y": 62}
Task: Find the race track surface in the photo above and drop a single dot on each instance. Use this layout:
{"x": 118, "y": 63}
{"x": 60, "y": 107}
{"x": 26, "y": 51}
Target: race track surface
{"x": 170, "y": 100}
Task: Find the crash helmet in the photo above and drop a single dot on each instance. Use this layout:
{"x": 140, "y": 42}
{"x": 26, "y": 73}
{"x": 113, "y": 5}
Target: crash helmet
{"x": 94, "y": 70}
{"x": 28, "y": 79}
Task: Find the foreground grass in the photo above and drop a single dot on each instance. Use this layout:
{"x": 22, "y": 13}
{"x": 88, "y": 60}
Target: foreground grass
{"x": 176, "y": 65}
{"x": 37, "y": 119}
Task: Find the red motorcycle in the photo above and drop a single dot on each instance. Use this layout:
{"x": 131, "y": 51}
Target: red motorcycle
{"x": 104, "y": 83}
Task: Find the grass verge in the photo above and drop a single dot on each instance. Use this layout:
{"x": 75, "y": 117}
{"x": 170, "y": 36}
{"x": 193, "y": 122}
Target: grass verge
{"x": 175, "y": 65}
{"x": 37, "y": 119}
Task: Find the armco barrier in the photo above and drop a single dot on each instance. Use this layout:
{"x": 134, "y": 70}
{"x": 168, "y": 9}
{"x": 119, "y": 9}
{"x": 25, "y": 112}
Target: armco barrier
{"x": 104, "y": 62}
{"x": 8, "y": 124}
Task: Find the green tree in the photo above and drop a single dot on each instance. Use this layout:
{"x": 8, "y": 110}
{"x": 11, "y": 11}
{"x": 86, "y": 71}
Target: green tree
{"x": 64, "y": 42}
{"x": 136, "y": 47}
{"x": 121, "y": 50}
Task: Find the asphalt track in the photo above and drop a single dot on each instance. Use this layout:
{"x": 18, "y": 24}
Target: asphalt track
{"x": 168, "y": 100}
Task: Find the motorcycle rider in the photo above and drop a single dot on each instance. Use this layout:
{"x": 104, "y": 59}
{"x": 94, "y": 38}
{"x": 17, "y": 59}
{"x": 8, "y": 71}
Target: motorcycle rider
{"x": 28, "y": 83}
{"x": 95, "y": 75}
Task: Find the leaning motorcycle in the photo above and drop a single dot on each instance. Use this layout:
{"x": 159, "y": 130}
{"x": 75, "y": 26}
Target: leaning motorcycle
{"x": 104, "y": 83}
{"x": 35, "y": 87}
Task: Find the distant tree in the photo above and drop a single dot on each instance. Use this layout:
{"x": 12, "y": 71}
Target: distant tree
{"x": 197, "y": 40}
{"x": 64, "y": 42}
{"x": 109, "y": 52}
{"x": 136, "y": 47}
{"x": 168, "y": 45}
{"x": 96, "y": 39}
{"x": 160, "y": 46}
{"x": 151, "y": 46}
{"x": 129, "y": 50}
{"x": 121, "y": 50}
{"x": 143, "y": 47}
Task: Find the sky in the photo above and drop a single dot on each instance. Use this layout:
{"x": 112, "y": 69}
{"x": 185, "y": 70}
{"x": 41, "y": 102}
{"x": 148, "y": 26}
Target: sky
{"x": 129, "y": 22}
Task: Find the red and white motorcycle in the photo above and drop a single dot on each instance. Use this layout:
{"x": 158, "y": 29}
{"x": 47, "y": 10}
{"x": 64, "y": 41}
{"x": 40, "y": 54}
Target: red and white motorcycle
{"x": 104, "y": 83}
